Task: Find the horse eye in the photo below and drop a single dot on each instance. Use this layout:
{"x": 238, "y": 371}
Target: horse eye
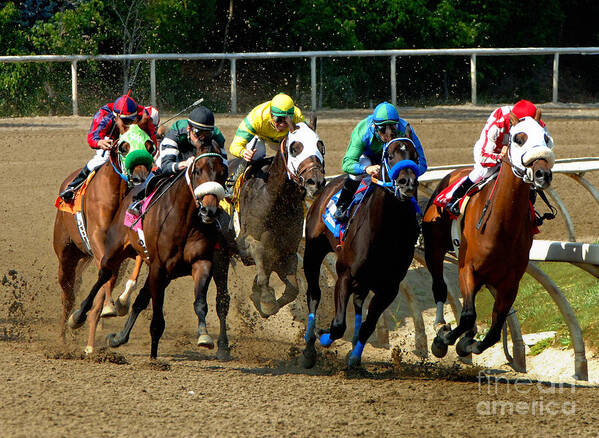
{"x": 520, "y": 138}
{"x": 402, "y": 181}
{"x": 546, "y": 139}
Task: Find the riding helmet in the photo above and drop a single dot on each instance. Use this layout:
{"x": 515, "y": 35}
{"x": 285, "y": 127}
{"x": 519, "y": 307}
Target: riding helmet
{"x": 125, "y": 107}
{"x": 201, "y": 118}
{"x": 524, "y": 108}
{"x": 282, "y": 105}
{"x": 385, "y": 114}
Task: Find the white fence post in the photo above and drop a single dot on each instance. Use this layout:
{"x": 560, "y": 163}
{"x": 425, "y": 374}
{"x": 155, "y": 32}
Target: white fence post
{"x": 555, "y": 75}
{"x": 393, "y": 81}
{"x": 74, "y": 96}
{"x": 473, "y": 77}
{"x": 153, "y": 82}
{"x": 313, "y": 81}
{"x": 233, "y": 86}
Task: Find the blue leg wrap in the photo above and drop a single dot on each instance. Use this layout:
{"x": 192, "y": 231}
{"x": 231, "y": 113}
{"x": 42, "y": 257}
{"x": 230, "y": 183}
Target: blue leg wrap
{"x": 357, "y": 324}
{"x": 325, "y": 340}
{"x": 309, "y": 327}
{"x": 358, "y": 349}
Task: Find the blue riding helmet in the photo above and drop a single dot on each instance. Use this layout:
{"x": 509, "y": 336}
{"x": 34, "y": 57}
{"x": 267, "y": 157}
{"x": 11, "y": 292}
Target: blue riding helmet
{"x": 385, "y": 114}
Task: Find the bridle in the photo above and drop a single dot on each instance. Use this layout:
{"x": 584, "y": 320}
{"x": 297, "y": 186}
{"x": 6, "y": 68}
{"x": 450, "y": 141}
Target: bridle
{"x": 298, "y": 177}
{"x": 189, "y": 171}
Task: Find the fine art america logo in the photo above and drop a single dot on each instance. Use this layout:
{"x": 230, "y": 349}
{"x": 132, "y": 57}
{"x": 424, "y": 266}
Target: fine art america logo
{"x": 540, "y": 401}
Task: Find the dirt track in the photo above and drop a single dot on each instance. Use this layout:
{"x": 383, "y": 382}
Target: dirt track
{"x": 50, "y": 390}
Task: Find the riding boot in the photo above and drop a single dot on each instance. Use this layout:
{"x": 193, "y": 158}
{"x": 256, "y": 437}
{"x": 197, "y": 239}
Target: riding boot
{"x": 68, "y": 193}
{"x": 232, "y": 180}
{"x": 347, "y": 193}
{"x": 138, "y": 197}
{"x": 453, "y": 206}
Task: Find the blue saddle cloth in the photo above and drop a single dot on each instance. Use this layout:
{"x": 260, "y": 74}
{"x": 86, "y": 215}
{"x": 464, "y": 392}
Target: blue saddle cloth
{"x": 335, "y": 227}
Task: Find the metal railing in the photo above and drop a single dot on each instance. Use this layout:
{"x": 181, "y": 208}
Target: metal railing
{"x": 312, "y": 55}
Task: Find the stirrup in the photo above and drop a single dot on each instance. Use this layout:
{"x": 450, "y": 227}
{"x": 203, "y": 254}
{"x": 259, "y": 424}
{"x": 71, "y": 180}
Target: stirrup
{"x": 341, "y": 215}
{"x": 68, "y": 194}
{"x": 454, "y": 208}
{"x": 135, "y": 208}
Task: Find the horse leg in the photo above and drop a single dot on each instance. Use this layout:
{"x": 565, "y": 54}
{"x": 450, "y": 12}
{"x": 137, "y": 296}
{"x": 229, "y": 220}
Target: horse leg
{"x": 141, "y": 303}
{"x": 288, "y": 275}
{"x": 157, "y": 325}
{"x": 263, "y": 295}
{"x": 77, "y": 318}
{"x": 68, "y": 258}
{"x": 434, "y": 262}
{"x": 338, "y": 325}
{"x": 504, "y": 300}
{"x": 123, "y": 301}
{"x": 93, "y": 318}
{"x": 220, "y": 270}
{"x": 379, "y": 302}
{"x": 358, "y": 304}
{"x": 469, "y": 287}
{"x": 200, "y": 272}
{"x": 313, "y": 256}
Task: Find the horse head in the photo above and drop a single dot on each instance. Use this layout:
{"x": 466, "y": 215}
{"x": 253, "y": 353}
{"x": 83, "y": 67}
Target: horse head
{"x": 304, "y": 156}
{"x": 400, "y": 167}
{"x": 529, "y": 155}
{"x": 134, "y": 150}
{"x": 206, "y": 177}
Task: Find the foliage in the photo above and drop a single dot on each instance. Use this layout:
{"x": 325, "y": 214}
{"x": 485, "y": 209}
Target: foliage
{"x": 195, "y": 26}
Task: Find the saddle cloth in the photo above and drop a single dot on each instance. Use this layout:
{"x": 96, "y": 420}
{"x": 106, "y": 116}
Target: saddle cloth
{"x": 444, "y": 197}
{"x": 75, "y": 206}
{"x": 339, "y": 228}
{"x": 130, "y": 219}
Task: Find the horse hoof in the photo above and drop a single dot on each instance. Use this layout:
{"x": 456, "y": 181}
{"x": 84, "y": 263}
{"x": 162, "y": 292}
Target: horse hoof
{"x": 269, "y": 307}
{"x": 438, "y": 348}
{"x": 308, "y": 358}
{"x": 76, "y": 320}
{"x": 122, "y": 308}
{"x": 354, "y": 362}
{"x": 464, "y": 347}
{"x": 108, "y": 311}
{"x": 88, "y": 350}
{"x": 205, "y": 341}
{"x": 112, "y": 341}
{"x": 223, "y": 354}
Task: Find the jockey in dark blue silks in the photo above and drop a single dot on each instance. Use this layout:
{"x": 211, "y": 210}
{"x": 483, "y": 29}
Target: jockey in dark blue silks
{"x": 363, "y": 155}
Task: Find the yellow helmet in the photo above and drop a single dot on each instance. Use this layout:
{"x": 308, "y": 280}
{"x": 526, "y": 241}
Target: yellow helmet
{"x": 282, "y": 105}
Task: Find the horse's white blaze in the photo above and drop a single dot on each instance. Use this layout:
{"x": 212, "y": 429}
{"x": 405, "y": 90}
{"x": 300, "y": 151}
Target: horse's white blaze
{"x": 210, "y": 188}
{"x": 535, "y": 147}
{"x": 309, "y": 139}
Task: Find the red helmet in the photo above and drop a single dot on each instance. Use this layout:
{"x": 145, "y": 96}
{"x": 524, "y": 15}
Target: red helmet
{"x": 524, "y": 108}
{"x": 125, "y": 107}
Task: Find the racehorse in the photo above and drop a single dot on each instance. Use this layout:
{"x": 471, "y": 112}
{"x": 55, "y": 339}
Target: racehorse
{"x": 376, "y": 251}
{"x": 100, "y": 203}
{"x": 496, "y": 236}
{"x": 271, "y": 212}
{"x": 179, "y": 237}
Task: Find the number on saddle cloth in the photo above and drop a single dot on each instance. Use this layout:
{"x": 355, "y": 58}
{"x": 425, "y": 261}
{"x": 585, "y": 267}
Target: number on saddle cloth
{"x": 339, "y": 228}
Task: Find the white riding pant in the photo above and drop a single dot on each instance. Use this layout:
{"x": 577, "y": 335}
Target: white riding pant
{"x": 481, "y": 172}
{"x": 364, "y": 161}
{"x": 100, "y": 158}
{"x": 260, "y": 147}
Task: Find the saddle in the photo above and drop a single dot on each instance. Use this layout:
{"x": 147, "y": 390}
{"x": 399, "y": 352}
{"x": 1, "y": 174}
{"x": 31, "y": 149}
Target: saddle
{"x": 77, "y": 204}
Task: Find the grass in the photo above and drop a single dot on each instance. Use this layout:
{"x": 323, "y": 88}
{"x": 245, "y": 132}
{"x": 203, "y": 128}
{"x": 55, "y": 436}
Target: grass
{"x": 537, "y": 312}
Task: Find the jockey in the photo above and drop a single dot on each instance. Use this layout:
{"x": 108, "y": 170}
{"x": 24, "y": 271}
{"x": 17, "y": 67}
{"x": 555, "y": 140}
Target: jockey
{"x": 365, "y": 148}
{"x": 153, "y": 113}
{"x": 266, "y": 123}
{"x": 102, "y": 135}
{"x": 492, "y": 146}
{"x": 179, "y": 147}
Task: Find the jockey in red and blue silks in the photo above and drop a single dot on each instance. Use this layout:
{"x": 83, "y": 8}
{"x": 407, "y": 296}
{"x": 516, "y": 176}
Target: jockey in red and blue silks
{"x": 364, "y": 152}
{"x": 492, "y": 146}
{"x": 103, "y": 133}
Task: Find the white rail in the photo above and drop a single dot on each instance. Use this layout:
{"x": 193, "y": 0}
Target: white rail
{"x": 312, "y": 55}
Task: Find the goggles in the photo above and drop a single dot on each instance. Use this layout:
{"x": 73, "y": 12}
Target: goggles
{"x": 127, "y": 120}
{"x": 201, "y": 132}
{"x": 383, "y": 128}
{"x": 279, "y": 119}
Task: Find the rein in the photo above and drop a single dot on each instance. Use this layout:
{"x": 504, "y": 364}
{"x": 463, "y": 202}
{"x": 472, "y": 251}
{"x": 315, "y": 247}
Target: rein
{"x": 120, "y": 173}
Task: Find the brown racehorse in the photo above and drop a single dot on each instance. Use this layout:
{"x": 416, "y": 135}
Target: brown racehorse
{"x": 377, "y": 249}
{"x": 271, "y": 212}
{"x": 101, "y": 201}
{"x": 496, "y": 237}
{"x": 181, "y": 234}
